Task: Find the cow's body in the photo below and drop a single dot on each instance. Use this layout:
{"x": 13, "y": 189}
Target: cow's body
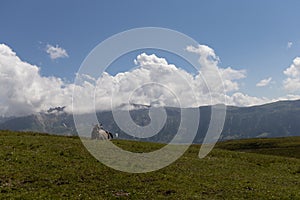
{"x": 99, "y": 133}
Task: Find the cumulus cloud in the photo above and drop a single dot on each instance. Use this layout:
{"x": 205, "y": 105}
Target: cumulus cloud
{"x": 210, "y": 70}
{"x": 24, "y": 90}
{"x": 156, "y": 82}
{"x": 289, "y": 45}
{"x": 264, "y": 82}
{"x": 292, "y": 82}
{"x": 56, "y": 52}
{"x": 294, "y": 69}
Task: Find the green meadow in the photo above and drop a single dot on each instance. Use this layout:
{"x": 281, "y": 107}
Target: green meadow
{"x": 41, "y": 166}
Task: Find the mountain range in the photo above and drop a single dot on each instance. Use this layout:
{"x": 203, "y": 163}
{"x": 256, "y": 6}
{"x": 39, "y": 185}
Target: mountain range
{"x": 278, "y": 119}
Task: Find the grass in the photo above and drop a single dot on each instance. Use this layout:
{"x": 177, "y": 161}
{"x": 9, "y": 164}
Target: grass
{"x": 286, "y": 147}
{"x": 40, "y": 166}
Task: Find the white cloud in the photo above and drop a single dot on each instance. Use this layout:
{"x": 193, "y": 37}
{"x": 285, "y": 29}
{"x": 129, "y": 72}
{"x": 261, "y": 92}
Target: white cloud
{"x": 154, "y": 82}
{"x": 240, "y": 99}
{"x": 24, "y": 90}
{"x": 209, "y": 62}
{"x": 289, "y": 45}
{"x": 264, "y": 82}
{"x": 292, "y": 82}
{"x": 288, "y": 97}
{"x": 294, "y": 69}
{"x": 168, "y": 83}
{"x": 56, "y": 52}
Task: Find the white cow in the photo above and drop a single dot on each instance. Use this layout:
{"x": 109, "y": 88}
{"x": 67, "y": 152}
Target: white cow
{"x": 99, "y": 133}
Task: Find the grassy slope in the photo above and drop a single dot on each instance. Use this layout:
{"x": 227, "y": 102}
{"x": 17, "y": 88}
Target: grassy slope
{"x": 36, "y": 166}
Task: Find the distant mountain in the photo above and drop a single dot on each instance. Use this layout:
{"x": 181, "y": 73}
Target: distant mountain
{"x": 55, "y": 123}
{"x": 277, "y": 119}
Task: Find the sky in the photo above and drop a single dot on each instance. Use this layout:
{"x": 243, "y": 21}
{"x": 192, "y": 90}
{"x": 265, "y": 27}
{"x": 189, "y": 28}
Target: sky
{"x": 255, "y": 44}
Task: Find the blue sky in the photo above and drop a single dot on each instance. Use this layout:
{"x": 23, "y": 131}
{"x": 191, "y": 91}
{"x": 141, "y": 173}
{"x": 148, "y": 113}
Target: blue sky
{"x": 250, "y": 35}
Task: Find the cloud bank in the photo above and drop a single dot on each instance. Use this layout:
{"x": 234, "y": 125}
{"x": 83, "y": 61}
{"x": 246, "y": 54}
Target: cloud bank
{"x": 153, "y": 82}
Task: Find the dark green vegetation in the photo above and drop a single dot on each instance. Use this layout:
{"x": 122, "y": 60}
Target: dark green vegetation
{"x": 39, "y": 166}
{"x": 279, "y": 119}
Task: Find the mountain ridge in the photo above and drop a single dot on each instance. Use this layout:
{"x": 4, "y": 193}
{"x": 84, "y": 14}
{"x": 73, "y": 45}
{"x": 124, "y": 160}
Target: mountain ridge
{"x": 277, "y": 119}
